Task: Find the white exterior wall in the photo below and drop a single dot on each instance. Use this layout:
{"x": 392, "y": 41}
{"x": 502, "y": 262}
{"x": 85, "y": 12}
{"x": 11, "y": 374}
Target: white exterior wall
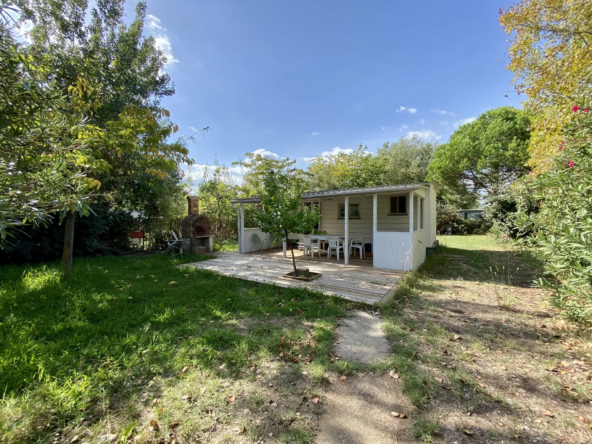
{"x": 419, "y": 248}
{"x": 431, "y": 197}
{"x": 393, "y": 251}
{"x": 248, "y": 244}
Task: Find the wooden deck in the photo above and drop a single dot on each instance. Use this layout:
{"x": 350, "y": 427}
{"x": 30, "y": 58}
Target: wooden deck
{"x": 357, "y": 281}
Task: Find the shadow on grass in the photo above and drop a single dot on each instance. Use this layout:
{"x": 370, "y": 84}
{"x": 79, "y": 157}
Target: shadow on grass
{"x": 118, "y": 322}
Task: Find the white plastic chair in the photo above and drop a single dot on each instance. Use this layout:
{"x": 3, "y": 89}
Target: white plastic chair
{"x": 301, "y": 242}
{"x": 357, "y": 243}
{"x": 334, "y": 244}
{"x": 308, "y": 244}
{"x": 176, "y": 243}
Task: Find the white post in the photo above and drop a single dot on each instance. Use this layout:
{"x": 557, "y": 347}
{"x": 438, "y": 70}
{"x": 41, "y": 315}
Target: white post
{"x": 374, "y": 223}
{"x": 411, "y": 211}
{"x": 242, "y": 229}
{"x": 346, "y": 240}
{"x": 285, "y": 247}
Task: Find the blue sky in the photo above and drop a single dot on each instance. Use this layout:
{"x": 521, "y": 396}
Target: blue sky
{"x": 303, "y": 78}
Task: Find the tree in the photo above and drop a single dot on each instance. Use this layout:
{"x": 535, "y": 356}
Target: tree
{"x": 483, "y": 157}
{"x": 551, "y": 58}
{"x": 256, "y": 166}
{"x": 44, "y": 150}
{"x": 112, "y": 75}
{"x": 344, "y": 170}
{"x": 282, "y": 211}
{"x": 405, "y": 161}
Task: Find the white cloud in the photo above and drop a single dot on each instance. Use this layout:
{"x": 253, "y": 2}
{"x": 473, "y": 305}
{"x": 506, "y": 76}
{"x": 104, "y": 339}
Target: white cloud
{"x": 153, "y": 22}
{"x": 266, "y": 153}
{"x": 192, "y": 128}
{"x": 195, "y": 173}
{"x": 403, "y": 127}
{"x": 333, "y": 152}
{"x": 427, "y": 135}
{"x": 464, "y": 121}
{"x": 314, "y": 133}
{"x": 410, "y": 110}
{"x": 384, "y": 127}
{"x": 443, "y": 123}
{"x": 421, "y": 121}
{"x": 442, "y": 112}
{"x": 161, "y": 40}
{"x": 24, "y": 29}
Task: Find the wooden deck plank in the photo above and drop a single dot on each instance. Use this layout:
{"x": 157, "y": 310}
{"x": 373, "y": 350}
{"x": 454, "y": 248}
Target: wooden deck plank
{"x": 355, "y": 282}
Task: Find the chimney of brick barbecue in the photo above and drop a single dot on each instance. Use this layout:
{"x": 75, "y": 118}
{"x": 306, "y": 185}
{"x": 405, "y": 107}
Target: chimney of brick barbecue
{"x": 193, "y": 205}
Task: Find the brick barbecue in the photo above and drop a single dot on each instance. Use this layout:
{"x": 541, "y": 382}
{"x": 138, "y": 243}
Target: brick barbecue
{"x": 196, "y": 229}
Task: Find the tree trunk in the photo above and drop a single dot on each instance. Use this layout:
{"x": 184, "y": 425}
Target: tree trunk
{"x": 68, "y": 244}
{"x": 292, "y": 251}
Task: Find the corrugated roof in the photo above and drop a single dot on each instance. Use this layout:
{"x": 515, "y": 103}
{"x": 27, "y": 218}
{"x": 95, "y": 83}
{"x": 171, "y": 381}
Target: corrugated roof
{"x": 344, "y": 192}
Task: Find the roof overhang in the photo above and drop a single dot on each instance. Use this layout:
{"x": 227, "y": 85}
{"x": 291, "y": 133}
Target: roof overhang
{"x": 348, "y": 192}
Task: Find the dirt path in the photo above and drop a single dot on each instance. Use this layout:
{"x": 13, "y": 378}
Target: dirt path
{"x": 481, "y": 353}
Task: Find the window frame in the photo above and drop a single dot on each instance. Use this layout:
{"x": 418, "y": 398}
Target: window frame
{"x": 398, "y": 200}
{"x": 341, "y": 206}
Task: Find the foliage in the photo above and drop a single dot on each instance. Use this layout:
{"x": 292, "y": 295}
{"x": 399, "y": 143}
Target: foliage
{"x": 561, "y": 224}
{"x": 256, "y": 167}
{"x": 106, "y": 232}
{"x": 482, "y": 157}
{"x": 44, "y": 151}
{"x": 281, "y": 210}
{"x": 405, "y": 161}
{"x": 551, "y": 58}
{"x": 215, "y": 193}
{"x": 88, "y": 347}
{"x": 447, "y": 216}
{"x": 344, "y": 170}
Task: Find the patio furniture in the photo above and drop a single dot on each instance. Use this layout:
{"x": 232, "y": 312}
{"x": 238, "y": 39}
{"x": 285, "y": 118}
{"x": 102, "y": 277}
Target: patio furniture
{"x": 301, "y": 243}
{"x": 308, "y": 244}
{"x": 175, "y": 243}
{"x": 357, "y": 243}
{"x": 334, "y": 244}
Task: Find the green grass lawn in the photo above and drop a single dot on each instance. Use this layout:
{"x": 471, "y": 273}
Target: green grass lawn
{"x": 90, "y": 351}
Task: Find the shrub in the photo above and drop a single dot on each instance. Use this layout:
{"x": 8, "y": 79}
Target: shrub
{"x": 447, "y": 216}
{"x": 561, "y": 223}
{"x": 105, "y": 232}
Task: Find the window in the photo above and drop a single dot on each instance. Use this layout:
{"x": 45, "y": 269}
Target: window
{"x": 354, "y": 211}
{"x": 398, "y": 205}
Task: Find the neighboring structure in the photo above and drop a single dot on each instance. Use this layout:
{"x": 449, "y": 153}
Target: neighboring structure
{"x": 476, "y": 213}
{"x": 398, "y": 222}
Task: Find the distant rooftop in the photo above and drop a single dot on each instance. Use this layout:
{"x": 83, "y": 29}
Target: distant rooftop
{"x": 345, "y": 192}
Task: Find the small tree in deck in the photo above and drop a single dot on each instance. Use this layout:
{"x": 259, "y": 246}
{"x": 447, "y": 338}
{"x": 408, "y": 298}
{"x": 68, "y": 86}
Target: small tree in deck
{"x": 282, "y": 211}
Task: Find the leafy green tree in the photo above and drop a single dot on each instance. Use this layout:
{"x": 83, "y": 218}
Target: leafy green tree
{"x": 550, "y": 54}
{"x": 44, "y": 150}
{"x": 282, "y": 211}
{"x": 405, "y": 161}
{"x": 555, "y": 215}
{"x": 344, "y": 170}
{"x": 112, "y": 75}
{"x": 256, "y": 167}
{"x": 483, "y": 157}
{"x": 215, "y": 191}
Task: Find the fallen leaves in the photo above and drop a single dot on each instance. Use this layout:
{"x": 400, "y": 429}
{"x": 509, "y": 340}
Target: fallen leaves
{"x": 394, "y": 374}
{"x": 314, "y": 399}
{"x": 398, "y": 415}
{"x": 154, "y": 425}
{"x": 231, "y": 398}
{"x": 467, "y": 431}
{"x": 549, "y": 414}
